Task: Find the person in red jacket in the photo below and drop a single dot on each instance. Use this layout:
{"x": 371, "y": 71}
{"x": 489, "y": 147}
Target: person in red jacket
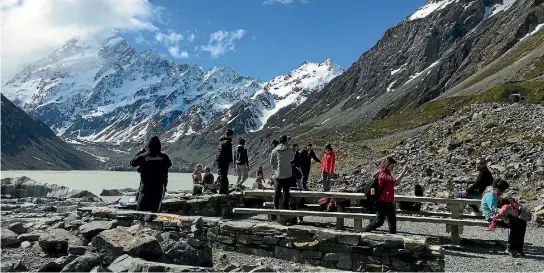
{"x": 327, "y": 167}
{"x": 385, "y": 205}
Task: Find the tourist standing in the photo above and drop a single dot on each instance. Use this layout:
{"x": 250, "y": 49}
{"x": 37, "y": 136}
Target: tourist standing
{"x": 306, "y": 157}
{"x": 224, "y": 160}
{"x": 242, "y": 163}
{"x": 280, "y": 159}
{"x": 327, "y": 167}
{"x": 153, "y": 167}
{"x": 295, "y": 164}
{"x": 476, "y": 190}
{"x": 517, "y": 226}
{"x": 385, "y": 204}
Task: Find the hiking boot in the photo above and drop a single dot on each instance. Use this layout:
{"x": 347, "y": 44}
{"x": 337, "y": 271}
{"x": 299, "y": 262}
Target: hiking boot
{"x": 512, "y": 253}
{"x": 521, "y": 253}
{"x": 492, "y": 226}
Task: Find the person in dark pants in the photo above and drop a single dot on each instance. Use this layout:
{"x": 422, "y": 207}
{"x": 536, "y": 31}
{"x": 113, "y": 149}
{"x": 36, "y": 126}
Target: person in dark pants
{"x": 385, "y": 205}
{"x": 224, "y": 160}
{"x": 280, "y": 159}
{"x": 306, "y": 157}
{"x": 517, "y": 226}
{"x": 476, "y": 190}
{"x": 153, "y": 167}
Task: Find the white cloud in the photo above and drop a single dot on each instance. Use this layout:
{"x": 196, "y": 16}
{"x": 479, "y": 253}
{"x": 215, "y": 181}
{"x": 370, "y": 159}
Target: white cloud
{"x": 31, "y": 29}
{"x": 172, "y": 38}
{"x": 222, "y": 42}
{"x": 191, "y": 37}
{"x": 176, "y": 52}
{"x": 285, "y": 2}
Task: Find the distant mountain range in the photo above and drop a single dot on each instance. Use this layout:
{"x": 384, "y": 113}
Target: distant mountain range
{"x": 28, "y": 144}
{"x": 100, "y": 89}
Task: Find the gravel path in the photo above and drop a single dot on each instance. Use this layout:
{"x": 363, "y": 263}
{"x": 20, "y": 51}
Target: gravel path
{"x": 480, "y": 250}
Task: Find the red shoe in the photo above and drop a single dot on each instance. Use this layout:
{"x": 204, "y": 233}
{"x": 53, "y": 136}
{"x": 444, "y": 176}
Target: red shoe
{"x": 492, "y": 226}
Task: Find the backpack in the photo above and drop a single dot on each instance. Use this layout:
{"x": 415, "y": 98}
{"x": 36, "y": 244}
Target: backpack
{"x": 370, "y": 201}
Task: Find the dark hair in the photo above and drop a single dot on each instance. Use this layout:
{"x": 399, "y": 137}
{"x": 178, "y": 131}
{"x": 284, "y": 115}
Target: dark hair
{"x": 386, "y": 162}
{"x": 242, "y": 141}
{"x": 309, "y": 144}
{"x": 500, "y": 184}
{"x": 230, "y": 132}
{"x": 275, "y": 142}
{"x": 283, "y": 139}
{"x": 295, "y": 145}
{"x": 328, "y": 147}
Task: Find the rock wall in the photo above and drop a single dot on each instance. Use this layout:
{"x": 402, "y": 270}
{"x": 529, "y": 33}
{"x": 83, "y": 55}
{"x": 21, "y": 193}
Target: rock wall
{"x": 207, "y": 205}
{"x": 301, "y": 244}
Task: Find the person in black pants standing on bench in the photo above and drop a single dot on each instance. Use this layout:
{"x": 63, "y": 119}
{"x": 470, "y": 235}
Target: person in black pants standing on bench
{"x": 306, "y": 157}
{"x": 280, "y": 159}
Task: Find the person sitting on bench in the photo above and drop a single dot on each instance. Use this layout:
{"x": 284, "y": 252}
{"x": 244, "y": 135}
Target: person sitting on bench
{"x": 475, "y": 191}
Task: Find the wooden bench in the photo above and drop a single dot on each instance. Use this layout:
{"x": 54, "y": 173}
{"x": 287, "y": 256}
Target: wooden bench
{"x": 454, "y": 223}
{"x": 357, "y": 209}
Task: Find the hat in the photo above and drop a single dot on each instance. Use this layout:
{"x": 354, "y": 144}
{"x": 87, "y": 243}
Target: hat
{"x": 230, "y": 132}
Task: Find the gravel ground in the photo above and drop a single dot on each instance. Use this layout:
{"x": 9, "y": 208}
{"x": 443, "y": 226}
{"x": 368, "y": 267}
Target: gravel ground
{"x": 480, "y": 250}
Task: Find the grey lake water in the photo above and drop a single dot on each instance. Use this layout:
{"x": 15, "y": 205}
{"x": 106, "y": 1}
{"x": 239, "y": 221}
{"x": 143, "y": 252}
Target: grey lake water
{"x": 96, "y": 181}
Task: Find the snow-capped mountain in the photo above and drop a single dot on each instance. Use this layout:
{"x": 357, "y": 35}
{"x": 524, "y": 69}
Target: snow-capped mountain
{"x": 279, "y": 95}
{"x": 101, "y": 89}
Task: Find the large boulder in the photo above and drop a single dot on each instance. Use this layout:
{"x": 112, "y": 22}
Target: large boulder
{"x": 18, "y": 228}
{"x": 111, "y": 243}
{"x": 145, "y": 247}
{"x": 126, "y": 263}
{"x": 184, "y": 253}
{"x": 83, "y": 263}
{"x": 21, "y": 187}
{"x": 89, "y": 230}
{"x": 8, "y": 238}
{"x": 57, "y": 241}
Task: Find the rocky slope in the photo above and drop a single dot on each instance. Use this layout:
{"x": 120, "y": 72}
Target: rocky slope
{"x": 27, "y": 144}
{"x": 430, "y": 52}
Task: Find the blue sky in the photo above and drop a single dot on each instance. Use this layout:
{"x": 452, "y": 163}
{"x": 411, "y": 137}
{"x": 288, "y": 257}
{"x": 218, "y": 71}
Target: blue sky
{"x": 259, "y": 38}
{"x": 269, "y": 39}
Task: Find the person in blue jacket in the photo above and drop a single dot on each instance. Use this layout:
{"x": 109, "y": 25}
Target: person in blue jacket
{"x": 491, "y": 207}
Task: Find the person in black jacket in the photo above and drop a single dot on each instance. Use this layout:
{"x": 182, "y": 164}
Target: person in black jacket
{"x": 242, "y": 163}
{"x": 476, "y": 190}
{"x": 224, "y": 161}
{"x": 306, "y": 157}
{"x": 153, "y": 167}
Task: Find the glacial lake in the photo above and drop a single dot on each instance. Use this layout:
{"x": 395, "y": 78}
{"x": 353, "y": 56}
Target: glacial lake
{"x": 96, "y": 181}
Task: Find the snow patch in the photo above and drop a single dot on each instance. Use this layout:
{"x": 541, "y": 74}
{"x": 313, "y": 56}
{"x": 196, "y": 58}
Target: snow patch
{"x": 537, "y": 28}
{"x": 428, "y": 70}
{"x": 393, "y": 72}
{"x": 430, "y": 8}
{"x": 506, "y": 5}
{"x": 389, "y": 88}
{"x": 325, "y": 121}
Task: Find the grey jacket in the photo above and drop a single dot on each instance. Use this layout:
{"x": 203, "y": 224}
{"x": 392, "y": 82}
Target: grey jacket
{"x": 280, "y": 158}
